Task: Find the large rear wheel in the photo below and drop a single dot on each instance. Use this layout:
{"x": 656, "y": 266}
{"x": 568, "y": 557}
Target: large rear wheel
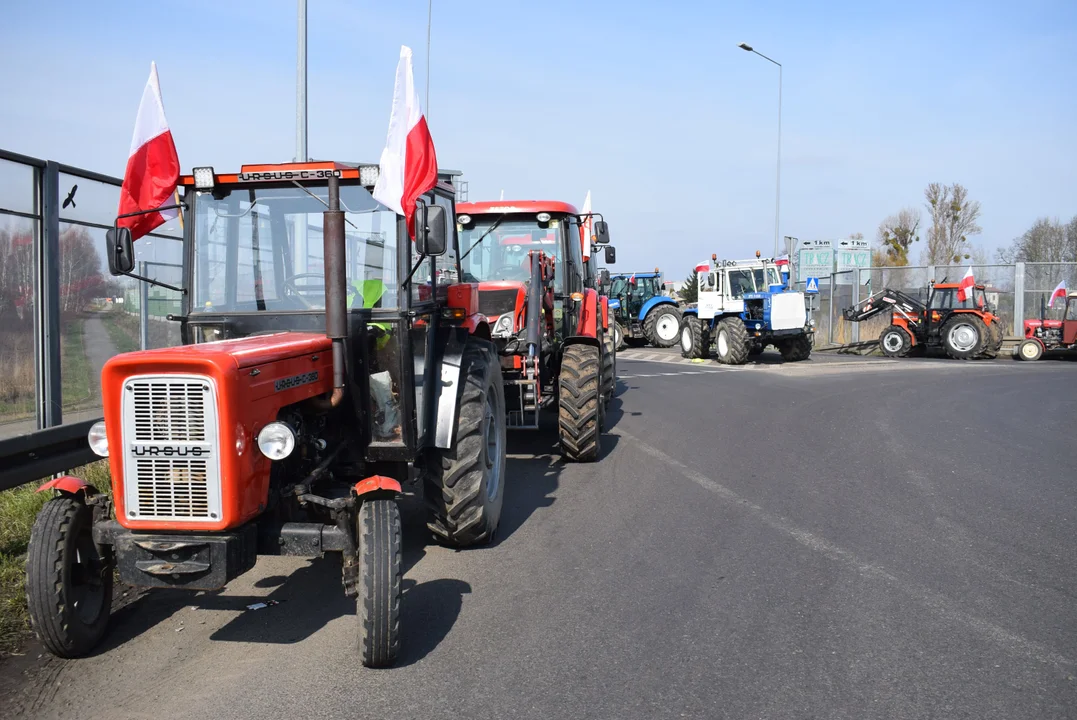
{"x": 662, "y": 325}
{"x": 378, "y": 601}
{"x": 464, "y": 484}
{"x": 68, "y": 579}
{"x": 964, "y": 336}
{"x": 579, "y": 420}
{"x": 731, "y": 344}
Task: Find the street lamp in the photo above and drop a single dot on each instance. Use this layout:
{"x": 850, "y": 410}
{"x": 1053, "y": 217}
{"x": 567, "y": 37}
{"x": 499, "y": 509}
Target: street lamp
{"x": 778, "y": 193}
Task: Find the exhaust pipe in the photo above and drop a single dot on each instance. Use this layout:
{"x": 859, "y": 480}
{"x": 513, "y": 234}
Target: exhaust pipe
{"x": 336, "y": 294}
{"x": 534, "y": 306}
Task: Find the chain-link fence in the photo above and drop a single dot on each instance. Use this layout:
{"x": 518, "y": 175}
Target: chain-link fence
{"x": 1018, "y": 292}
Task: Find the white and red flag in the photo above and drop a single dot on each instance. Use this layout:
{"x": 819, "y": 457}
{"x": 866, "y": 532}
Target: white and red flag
{"x": 409, "y": 166}
{"x": 587, "y": 225}
{"x": 153, "y": 169}
{"x": 1059, "y": 293}
{"x": 964, "y": 288}
{"x": 703, "y": 267}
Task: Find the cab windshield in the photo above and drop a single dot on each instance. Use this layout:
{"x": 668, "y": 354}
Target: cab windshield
{"x": 260, "y": 249}
{"x": 496, "y": 248}
{"x": 752, "y": 280}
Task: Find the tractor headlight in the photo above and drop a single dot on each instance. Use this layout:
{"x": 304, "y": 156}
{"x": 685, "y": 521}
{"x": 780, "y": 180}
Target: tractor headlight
{"x": 503, "y": 326}
{"x": 543, "y": 217}
{"x": 276, "y": 441}
{"x": 98, "y": 439}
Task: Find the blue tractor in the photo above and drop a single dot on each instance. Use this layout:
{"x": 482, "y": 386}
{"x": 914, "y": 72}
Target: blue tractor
{"x": 644, "y": 313}
{"x": 742, "y": 307}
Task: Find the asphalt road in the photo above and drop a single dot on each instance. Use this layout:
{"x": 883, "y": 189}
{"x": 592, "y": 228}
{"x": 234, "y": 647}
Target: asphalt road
{"x": 844, "y": 538}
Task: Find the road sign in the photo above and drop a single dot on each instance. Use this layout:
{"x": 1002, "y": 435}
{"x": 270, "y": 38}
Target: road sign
{"x": 814, "y": 262}
{"x": 852, "y": 244}
{"x": 812, "y": 286}
{"x": 814, "y": 243}
{"x": 852, "y": 259}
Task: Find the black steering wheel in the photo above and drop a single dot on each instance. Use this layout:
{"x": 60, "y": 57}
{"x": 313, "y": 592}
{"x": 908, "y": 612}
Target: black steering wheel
{"x": 299, "y": 291}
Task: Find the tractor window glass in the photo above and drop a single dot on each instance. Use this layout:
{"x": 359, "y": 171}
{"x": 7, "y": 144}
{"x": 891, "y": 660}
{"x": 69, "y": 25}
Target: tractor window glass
{"x": 942, "y": 300}
{"x": 740, "y": 282}
{"x": 261, "y": 249}
{"x": 446, "y": 264}
{"x": 495, "y": 248}
{"x": 1071, "y": 309}
{"x": 775, "y": 277}
{"x": 760, "y": 279}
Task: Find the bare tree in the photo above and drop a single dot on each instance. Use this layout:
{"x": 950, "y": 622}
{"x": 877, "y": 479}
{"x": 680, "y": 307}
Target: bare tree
{"x": 953, "y": 221}
{"x": 1046, "y": 241}
{"x": 896, "y": 234}
{"x": 80, "y": 270}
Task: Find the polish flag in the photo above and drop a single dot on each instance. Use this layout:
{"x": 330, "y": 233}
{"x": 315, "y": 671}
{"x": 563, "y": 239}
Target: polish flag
{"x": 632, "y": 280}
{"x": 964, "y": 288}
{"x": 587, "y": 223}
{"x": 703, "y": 267}
{"x": 153, "y": 169}
{"x": 409, "y": 166}
{"x": 1059, "y": 293}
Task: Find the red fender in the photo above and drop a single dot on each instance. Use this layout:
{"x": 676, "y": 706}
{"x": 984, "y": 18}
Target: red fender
{"x": 605, "y": 313}
{"x": 65, "y": 483}
{"x": 376, "y": 483}
{"x": 477, "y": 325}
{"x": 588, "y": 326}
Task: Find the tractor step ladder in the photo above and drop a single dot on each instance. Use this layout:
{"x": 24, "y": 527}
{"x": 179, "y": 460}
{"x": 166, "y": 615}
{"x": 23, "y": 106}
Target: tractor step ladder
{"x": 526, "y": 414}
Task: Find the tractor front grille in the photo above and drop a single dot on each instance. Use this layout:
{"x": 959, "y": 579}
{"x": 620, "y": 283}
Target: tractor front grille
{"x": 170, "y": 452}
{"x": 495, "y": 303}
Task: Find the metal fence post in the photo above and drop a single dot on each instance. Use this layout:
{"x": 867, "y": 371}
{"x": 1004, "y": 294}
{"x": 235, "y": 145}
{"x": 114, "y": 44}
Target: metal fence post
{"x": 1018, "y": 299}
{"x": 47, "y": 291}
{"x": 830, "y": 316}
{"x": 856, "y": 299}
{"x": 143, "y": 308}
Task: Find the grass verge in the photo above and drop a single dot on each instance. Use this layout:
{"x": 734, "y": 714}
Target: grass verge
{"x": 18, "y": 508}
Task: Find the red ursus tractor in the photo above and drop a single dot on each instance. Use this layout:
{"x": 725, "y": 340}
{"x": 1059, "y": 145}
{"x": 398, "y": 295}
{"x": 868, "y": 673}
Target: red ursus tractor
{"x": 320, "y": 373}
{"x": 1043, "y": 335}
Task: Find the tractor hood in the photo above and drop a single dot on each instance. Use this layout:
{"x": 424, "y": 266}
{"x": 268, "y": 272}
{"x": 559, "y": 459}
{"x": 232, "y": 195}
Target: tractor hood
{"x": 239, "y": 353}
{"x": 1033, "y": 324}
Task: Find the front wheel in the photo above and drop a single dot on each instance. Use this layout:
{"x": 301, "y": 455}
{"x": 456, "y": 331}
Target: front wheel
{"x": 378, "y": 602}
{"x": 662, "y": 326}
{"x": 731, "y": 345}
{"x": 895, "y": 342}
{"x": 1030, "y": 350}
{"x": 619, "y": 336}
{"x": 68, "y": 579}
{"x": 695, "y": 337}
{"x": 579, "y": 418}
{"x": 464, "y": 484}
{"x": 796, "y": 349}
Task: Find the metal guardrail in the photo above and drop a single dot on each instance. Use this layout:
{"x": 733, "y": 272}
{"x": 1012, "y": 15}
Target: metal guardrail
{"x": 46, "y": 452}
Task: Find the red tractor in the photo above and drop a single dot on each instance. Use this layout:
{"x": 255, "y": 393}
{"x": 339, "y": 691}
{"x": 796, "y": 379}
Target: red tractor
{"x": 325, "y": 366}
{"x": 964, "y": 329}
{"x": 548, "y": 325}
{"x": 1043, "y": 335}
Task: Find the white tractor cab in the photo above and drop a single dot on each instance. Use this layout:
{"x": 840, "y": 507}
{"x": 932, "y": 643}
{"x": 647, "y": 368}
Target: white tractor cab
{"x": 743, "y": 306}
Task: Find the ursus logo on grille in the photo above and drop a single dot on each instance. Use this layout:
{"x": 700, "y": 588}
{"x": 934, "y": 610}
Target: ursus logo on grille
{"x": 169, "y": 451}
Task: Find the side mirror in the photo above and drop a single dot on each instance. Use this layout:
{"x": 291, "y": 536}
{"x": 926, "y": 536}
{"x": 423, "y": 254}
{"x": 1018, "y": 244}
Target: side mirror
{"x": 611, "y": 254}
{"x": 120, "y": 251}
{"x": 604, "y": 275}
{"x": 602, "y": 232}
{"x": 432, "y": 235}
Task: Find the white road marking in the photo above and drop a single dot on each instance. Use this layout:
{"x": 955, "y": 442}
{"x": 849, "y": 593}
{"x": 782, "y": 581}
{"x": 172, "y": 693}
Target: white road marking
{"x": 935, "y": 601}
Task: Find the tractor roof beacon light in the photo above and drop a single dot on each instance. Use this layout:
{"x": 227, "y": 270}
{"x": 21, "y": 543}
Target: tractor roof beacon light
{"x": 204, "y": 178}
{"x": 757, "y": 253}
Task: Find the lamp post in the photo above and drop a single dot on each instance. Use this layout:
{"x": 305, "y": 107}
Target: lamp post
{"x": 778, "y": 193}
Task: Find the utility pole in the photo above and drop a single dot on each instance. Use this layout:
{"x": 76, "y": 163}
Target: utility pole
{"x": 301, "y": 86}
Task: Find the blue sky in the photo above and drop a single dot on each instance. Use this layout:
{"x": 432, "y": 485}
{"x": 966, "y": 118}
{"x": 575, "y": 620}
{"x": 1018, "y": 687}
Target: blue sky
{"x": 650, "y": 105}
